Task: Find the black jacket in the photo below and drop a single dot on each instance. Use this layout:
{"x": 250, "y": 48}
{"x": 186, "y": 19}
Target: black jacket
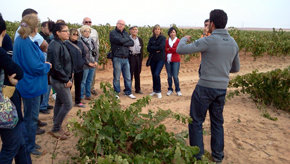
{"x": 120, "y": 43}
{"x": 157, "y": 44}
{"x": 78, "y": 55}
{"x": 61, "y": 60}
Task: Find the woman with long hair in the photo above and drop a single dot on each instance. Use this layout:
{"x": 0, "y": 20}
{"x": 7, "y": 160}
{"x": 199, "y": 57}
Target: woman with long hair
{"x": 61, "y": 76}
{"x": 30, "y": 58}
{"x": 156, "y": 48}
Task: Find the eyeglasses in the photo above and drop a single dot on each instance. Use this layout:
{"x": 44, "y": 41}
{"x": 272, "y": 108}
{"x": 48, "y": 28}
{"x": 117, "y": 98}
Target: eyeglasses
{"x": 76, "y": 34}
{"x": 64, "y": 31}
{"x": 121, "y": 24}
{"x": 88, "y": 21}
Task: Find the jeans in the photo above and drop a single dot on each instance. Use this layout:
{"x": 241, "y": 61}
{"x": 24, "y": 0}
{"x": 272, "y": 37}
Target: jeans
{"x": 87, "y": 82}
{"x": 45, "y": 99}
{"x": 172, "y": 70}
{"x": 13, "y": 146}
{"x": 63, "y": 104}
{"x": 156, "y": 67}
{"x": 31, "y": 112}
{"x": 78, "y": 77}
{"x": 121, "y": 65}
{"x": 204, "y": 98}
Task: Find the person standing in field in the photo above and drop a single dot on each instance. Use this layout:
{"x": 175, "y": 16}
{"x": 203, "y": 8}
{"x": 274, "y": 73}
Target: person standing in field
{"x": 44, "y": 106}
{"x": 156, "y": 48}
{"x": 61, "y": 76}
{"x": 95, "y": 36}
{"x": 39, "y": 40}
{"x": 220, "y": 56}
{"x": 120, "y": 43}
{"x": 90, "y": 49}
{"x": 13, "y": 143}
{"x": 28, "y": 55}
{"x": 78, "y": 55}
{"x": 172, "y": 61}
{"x": 136, "y": 57}
{"x": 206, "y": 29}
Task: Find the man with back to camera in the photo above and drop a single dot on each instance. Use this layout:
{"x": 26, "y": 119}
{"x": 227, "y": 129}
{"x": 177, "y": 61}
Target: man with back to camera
{"x": 120, "y": 43}
{"x": 220, "y": 56}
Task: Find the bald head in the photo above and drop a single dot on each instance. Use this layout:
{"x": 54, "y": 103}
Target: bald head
{"x": 120, "y": 25}
{"x": 87, "y": 21}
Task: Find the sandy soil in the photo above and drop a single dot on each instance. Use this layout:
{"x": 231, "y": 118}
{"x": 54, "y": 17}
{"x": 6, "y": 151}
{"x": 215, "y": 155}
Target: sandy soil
{"x": 249, "y": 137}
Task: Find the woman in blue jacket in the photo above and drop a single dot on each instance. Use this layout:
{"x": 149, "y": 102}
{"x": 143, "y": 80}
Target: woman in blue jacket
{"x": 30, "y": 58}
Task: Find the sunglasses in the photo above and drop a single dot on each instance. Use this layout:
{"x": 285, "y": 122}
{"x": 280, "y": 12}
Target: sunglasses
{"x": 88, "y": 21}
{"x": 75, "y": 34}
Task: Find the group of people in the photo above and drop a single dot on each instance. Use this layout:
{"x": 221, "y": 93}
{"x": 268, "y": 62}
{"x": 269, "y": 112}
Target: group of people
{"x": 128, "y": 55}
{"x": 58, "y": 57}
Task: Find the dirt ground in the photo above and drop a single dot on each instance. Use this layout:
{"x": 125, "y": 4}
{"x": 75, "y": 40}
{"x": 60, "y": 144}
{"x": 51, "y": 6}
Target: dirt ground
{"x": 249, "y": 137}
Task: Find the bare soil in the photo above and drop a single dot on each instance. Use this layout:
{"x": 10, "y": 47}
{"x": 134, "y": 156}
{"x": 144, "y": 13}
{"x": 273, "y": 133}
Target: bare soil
{"x": 249, "y": 137}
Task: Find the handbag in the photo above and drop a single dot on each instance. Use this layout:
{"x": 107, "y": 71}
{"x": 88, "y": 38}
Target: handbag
{"x": 8, "y": 112}
{"x": 110, "y": 55}
{"x": 148, "y": 62}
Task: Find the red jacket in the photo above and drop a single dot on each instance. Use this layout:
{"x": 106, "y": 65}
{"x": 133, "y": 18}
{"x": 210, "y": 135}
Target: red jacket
{"x": 175, "y": 56}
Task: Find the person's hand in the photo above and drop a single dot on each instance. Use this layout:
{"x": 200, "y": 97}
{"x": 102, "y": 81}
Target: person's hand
{"x": 92, "y": 65}
{"x": 68, "y": 84}
{"x": 12, "y": 79}
{"x": 96, "y": 64}
{"x": 49, "y": 64}
{"x": 187, "y": 37}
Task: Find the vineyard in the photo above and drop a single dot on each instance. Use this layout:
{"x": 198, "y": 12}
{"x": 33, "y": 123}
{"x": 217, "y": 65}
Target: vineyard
{"x": 106, "y": 132}
{"x": 258, "y": 43}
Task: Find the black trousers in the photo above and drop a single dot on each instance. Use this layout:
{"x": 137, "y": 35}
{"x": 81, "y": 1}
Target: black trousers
{"x": 135, "y": 70}
{"x": 78, "y": 77}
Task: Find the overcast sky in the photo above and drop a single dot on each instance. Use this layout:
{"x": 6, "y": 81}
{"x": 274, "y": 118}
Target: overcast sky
{"x": 241, "y": 13}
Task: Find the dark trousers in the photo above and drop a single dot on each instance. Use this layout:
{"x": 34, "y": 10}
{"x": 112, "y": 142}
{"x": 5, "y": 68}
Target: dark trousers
{"x": 78, "y": 77}
{"x": 156, "y": 68}
{"x": 13, "y": 146}
{"x": 135, "y": 70}
{"x": 204, "y": 98}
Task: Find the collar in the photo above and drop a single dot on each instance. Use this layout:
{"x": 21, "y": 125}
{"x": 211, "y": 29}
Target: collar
{"x": 119, "y": 30}
{"x": 220, "y": 31}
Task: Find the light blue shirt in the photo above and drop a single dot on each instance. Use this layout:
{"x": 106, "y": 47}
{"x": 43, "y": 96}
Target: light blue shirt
{"x": 37, "y": 38}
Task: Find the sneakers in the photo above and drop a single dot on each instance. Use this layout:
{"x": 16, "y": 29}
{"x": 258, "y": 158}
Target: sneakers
{"x": 152, "y": 94}
{"x": 81, "y": 105}
{"x": 36, "y": 152}
{"x": 169, "y": 92}
{"x": 159, "y": 95}
{"x": 131, "y": 96}
{"x": 118, "y": 97}
{"x": 179, "y": 93}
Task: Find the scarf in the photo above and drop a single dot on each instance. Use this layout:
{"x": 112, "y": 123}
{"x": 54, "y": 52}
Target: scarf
{"x": 170, "y": 42}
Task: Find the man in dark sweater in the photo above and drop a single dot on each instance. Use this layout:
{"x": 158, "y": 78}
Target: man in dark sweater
{"x": 220, "y": 56}
{"x": 120, "y": 43}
